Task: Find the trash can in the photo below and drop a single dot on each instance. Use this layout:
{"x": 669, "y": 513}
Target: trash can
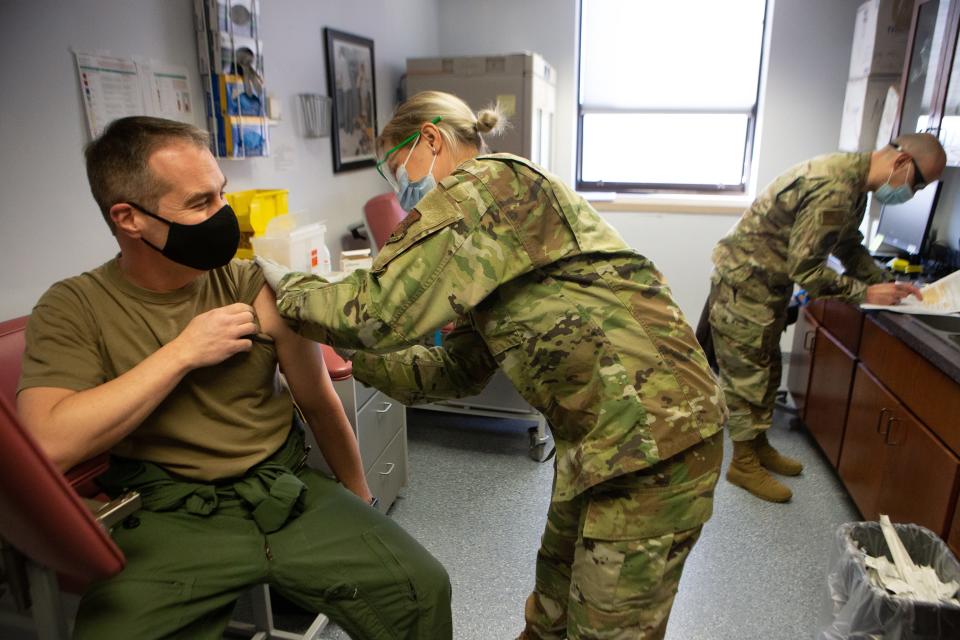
{"x": 857, "y": 610}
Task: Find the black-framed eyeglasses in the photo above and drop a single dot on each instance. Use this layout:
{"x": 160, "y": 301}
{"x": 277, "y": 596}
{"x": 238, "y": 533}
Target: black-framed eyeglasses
{"x": 920, "y": 184}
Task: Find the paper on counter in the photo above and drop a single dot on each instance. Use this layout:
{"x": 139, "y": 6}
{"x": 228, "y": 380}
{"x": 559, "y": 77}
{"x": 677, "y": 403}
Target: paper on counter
{"x": 939, "y": 298}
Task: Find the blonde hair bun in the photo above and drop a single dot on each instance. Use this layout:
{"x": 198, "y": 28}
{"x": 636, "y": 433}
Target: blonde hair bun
{"x": 458, "y": 124}
{"x": 490, "y": 120}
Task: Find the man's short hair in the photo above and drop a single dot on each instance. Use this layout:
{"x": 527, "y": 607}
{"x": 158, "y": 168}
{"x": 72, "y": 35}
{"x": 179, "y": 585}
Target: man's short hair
{"x": 117, "y": 161}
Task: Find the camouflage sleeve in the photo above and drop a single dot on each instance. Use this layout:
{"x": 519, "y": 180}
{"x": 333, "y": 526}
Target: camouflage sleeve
{"x": 858, "y": 261}
{"x": 461, "y": 367}
{"x": 814, "y": 235}
{"x": 450, "y": 253}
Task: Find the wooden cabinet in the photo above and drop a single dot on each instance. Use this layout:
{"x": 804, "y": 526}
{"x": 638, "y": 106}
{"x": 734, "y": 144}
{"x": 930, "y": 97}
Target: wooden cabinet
{"x": 845, "y": 322}
{"x": 816, "y": 309}
{"x": 949, "y": 121}
{"x": 861, "y": 461}
{"x": 953, "y": 537}
{"x": 919, "y": 476}
{"x": 883, "y": 415}
{"x": 801, "y": 355}
{"x": 925, "y": 390}
{"x": 893, "y": 464}
{"x": 930, "y": 86}
{"x": 831, "y": 375}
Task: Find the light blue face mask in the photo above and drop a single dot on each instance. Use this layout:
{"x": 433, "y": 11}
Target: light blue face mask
{"x": 887, "y": 194}
{"x": 410, "y": 193}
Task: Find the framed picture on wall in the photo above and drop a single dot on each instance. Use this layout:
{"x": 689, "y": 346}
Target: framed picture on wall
{"x": 351, "y": 84}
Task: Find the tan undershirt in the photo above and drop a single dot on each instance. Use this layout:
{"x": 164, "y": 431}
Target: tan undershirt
{"x": 218, "y": 421}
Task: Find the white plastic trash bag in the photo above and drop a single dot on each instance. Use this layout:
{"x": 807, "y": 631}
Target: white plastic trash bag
{"x": 861, "y": 611}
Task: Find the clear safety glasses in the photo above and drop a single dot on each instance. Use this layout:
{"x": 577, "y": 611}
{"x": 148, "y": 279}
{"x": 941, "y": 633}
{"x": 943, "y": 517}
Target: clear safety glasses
{"x": 385, "y": 171}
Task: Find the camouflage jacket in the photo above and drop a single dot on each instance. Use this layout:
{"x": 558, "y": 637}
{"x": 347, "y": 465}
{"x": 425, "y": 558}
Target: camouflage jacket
{"x": 540, "y": 286}
{"x": 786, "y": 235}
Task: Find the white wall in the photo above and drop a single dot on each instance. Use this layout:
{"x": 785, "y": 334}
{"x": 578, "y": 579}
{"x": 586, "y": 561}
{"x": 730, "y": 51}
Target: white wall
{"x": 802, "y": 98}
{"x": 547, "y": 27}
{"x": 807, "y": 68}
{"x": 51, "y": 227}
{"x": 808, "y": 44}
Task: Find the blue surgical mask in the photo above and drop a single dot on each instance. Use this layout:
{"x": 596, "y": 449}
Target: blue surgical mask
{"x": 410, "y": 193}
{"x": 887, "y": 194}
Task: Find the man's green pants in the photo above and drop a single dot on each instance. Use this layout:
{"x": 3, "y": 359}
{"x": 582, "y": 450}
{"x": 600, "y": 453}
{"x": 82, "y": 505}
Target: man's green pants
{"x": 340, "y": 557}
{"x": 610, "y": 559}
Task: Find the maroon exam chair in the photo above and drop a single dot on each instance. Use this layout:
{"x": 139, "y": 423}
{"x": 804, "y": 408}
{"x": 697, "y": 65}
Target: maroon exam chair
{"x": 51, "y": 537}
{"x": 54, "y": 537}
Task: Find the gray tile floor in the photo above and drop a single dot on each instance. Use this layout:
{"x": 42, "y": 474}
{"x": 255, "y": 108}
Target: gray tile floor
{"x": 478, "y": 504}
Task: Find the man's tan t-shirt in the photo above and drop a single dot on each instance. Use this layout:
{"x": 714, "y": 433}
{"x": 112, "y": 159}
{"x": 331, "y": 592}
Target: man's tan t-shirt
{"x": 218, "y": 421}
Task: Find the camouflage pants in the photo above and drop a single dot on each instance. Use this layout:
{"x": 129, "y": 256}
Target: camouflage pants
{"x": 610, "y": 560}
{"x": 746, "y": 339}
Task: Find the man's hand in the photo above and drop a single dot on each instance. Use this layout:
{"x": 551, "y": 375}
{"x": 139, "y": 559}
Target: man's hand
{"x": 891, "y": 293}
{"x": 214, "y": 336}
{"x": 273, "y": 271}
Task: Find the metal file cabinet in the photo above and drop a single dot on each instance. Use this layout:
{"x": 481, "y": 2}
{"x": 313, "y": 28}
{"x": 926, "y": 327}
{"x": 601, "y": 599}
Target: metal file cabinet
{"x": 380, "y": 424}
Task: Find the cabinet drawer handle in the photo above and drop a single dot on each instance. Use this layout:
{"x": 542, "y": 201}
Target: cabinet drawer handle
{"x": 809, "y": 340}
{"x": 386, "y": 407}
{"x": 891, "y": 422}
{"x": 390, "y": 467}
{"x": 883, "y": 412}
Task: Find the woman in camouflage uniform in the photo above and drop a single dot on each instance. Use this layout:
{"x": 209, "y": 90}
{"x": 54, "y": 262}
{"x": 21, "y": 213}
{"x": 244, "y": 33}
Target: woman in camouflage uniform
{"x": 540, "y": 286}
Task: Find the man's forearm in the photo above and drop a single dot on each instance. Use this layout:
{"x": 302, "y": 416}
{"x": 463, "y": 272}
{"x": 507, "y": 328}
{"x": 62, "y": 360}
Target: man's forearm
{"x": 75, "y": 426}
{"x": 339, "y": 447}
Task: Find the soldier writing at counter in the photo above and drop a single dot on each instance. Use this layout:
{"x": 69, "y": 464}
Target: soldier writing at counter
{"x": 784, "y": 238}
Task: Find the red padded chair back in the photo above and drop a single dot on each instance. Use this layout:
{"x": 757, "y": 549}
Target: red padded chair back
{"x": 383, "y": 213}
{"x": 12, "y": 341}
{"x": 39, "y": 513}
{"x": 338, "y": 368}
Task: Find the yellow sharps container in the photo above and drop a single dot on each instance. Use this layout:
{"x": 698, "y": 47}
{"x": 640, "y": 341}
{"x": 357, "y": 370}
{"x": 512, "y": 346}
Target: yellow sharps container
{"x": 254, "y": 209}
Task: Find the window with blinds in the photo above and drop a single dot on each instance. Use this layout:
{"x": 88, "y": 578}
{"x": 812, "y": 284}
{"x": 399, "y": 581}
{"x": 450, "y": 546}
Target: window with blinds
{"x": 668, "y": 94}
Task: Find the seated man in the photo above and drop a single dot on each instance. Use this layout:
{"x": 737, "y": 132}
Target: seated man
{"x": 167, "y": 356}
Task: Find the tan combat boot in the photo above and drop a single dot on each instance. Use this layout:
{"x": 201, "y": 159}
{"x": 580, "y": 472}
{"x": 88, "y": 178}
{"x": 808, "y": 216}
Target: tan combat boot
{"x": 774, "y": 460}
{"x": 745, "y": 471}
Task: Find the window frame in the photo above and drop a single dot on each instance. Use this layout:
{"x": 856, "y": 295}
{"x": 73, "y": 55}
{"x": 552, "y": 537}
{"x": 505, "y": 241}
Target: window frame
{"x": 663, "y": 187}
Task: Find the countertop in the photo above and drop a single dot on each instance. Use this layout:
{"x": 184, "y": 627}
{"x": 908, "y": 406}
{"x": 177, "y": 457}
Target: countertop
{"x": 933, "y": 345}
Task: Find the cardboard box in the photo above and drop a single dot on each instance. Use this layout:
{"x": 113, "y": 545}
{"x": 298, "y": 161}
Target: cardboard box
{"x": 523, "y": 84}
{"x": 888, "y": 118}
{"x": 862, "y": 111}
{"x": 357, "y": 259}
{"x": 880, "y": 38}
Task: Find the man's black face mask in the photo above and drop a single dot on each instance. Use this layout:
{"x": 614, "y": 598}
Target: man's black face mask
{"x": 205, "y": 245}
